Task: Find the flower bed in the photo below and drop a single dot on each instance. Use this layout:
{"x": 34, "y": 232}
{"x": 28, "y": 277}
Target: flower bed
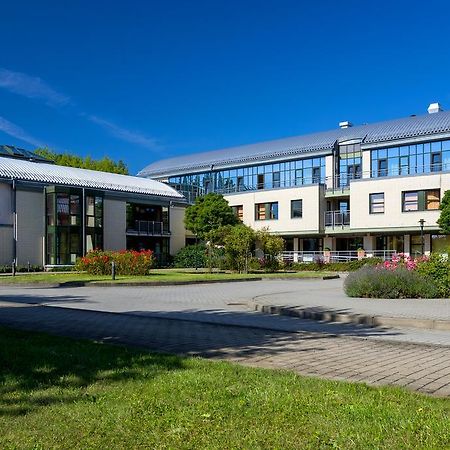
{"x": 402, "y": 277}
{"x": 128, "y": 262}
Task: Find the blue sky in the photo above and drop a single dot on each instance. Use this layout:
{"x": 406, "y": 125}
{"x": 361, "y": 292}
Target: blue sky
{"x": 144, "y": 80}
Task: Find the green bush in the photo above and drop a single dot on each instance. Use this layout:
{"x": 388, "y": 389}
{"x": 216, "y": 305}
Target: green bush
{"x": 128, "y": 262}
{"x": 377, "y": 282}
{"x": 191, "y": 256}
{"x": 437, "y": 268}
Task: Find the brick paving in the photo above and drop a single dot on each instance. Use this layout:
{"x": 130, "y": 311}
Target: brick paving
{"x": 423, "y": 368}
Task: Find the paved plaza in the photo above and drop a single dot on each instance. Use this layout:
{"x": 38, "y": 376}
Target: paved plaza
{"x": 214, "y": 321}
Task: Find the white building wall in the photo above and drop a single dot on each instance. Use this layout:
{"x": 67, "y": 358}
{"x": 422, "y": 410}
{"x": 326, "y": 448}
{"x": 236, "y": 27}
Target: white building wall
{"x": 393, "y": 217}
{"x": 6, "y": 225}
{"x": 312, "y": 201}
{"x": 115, "y": 224}
{"x": 177, "y": 230}
{"x": 30, "y": 227}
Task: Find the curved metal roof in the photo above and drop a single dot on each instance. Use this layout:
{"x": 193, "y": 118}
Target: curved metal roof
{"x": 39, "y": 172}
{"x": 382, "y": 132}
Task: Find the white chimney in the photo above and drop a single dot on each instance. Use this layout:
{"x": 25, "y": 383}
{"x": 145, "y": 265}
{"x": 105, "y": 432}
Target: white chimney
{"x": 434, "y": 108}
{"x": 345, "y": 124}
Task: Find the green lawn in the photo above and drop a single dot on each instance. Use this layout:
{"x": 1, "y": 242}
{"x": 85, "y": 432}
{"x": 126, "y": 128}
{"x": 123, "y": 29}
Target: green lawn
{"x": 62, "y": 393}
{"x": 162, "y": 275}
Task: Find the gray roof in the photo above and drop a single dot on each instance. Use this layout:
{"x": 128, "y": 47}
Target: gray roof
{"x": 52, "y": 174}
{"x": 381, "y": 132}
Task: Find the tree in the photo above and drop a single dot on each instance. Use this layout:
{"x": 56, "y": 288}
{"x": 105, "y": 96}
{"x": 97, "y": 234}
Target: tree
{"x": 206, "y": 217}
{"x": 104, "y": 164}
{"x": 444, "y": 218}
{"x": 238, "y": 243}
{"x": 208, "y": 214}
{"x": 271, "y": 245}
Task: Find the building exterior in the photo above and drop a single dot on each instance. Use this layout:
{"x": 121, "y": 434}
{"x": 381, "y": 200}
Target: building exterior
{"x": 50, "y": 214}
{"x": 353, "y": 187}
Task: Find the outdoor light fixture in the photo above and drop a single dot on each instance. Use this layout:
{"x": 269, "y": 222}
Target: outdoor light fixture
{"x": 422, "y": 243}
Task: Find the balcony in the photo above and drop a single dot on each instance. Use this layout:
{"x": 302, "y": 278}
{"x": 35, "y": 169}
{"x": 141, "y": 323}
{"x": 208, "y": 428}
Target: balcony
{"x": 148, "y": 228}
{"x": 337, "y": 219}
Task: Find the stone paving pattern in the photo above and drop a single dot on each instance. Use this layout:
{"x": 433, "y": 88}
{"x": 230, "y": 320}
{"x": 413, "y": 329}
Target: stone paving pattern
{"x": 423, "y": 368}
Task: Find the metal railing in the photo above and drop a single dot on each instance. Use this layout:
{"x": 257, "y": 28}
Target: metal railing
{"x": 341, "y": 182}
{"x": 148, "y": 228}
{"x": 337, "y": 219}
{"x": 335, "y": 256}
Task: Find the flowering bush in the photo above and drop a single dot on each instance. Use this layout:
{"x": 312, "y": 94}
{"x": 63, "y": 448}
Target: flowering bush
{"x": 128, "y": 262}
{"x": 381, "y": 282}
{"x": 401, "y": 260}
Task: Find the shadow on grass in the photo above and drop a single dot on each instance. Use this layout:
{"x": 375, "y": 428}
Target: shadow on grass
{"x": 37, "y": 370}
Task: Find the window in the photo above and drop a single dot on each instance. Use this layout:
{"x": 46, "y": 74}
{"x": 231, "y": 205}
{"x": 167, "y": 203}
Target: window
{"x": 276, "y": 179}
{"x": 382, "y": 168}
{"x": 238, "y": 211}
{"x": 260, "y": 183}
{"x": 296, "y": 209}
{"x": 410, "y": 201}
{"x": 266, "y": 211}
{"x": 421, "y": 200}
{"x": 436, "y": 162}
{"x": 432, "y": 199}
{"x": 376, "y": 203}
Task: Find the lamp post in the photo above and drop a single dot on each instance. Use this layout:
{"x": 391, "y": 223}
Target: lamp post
{"x": 422, "y": 242}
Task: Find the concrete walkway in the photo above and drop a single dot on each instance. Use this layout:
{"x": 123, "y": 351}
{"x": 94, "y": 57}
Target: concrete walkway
{"x": 422, "y": 368}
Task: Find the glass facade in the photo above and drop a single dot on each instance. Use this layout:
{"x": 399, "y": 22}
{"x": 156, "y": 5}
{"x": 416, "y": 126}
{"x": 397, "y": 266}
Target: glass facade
{"x": 349, "y": 164}
{"x": 64, "y": 224}
{"x": 266, "y": 176}
{"x": 411, "y": 159}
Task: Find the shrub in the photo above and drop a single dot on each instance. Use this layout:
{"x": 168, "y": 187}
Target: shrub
{"x": 378, "y": 282}
{"x": 128, "y": 262}
{"x": 238, "y": 244}
{"x": 191, "y": 256}
{"x": 437, "y": 268}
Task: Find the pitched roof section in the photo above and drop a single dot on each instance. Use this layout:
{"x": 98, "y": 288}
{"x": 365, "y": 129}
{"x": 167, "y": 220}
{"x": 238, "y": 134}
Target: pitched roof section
{"x": 19, "y": 169}
{"x": 382, "y": 132}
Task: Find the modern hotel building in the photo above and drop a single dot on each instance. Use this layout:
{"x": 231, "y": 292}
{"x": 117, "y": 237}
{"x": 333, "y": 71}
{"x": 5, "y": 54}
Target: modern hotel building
{"x": 50, "y": 214}
{"x": 366, "y": 186}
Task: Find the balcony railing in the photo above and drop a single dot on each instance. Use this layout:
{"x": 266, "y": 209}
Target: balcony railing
{"x": 337, "y": 219}
{"x": 148, "y": 228}
{"x": 335, "y": 256}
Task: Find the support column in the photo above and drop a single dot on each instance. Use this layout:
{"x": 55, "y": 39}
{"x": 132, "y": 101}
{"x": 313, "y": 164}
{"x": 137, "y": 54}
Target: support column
{"x": 427, "y": 244}
{"x": 296, "y": 244}
{"x": 407, "y": 244}
{"x": 369, "y": 244}
{"x": 329, "y": 242}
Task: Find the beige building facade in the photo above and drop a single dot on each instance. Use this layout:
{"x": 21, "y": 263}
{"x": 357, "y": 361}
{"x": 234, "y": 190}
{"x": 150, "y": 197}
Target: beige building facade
{"x": 51, "y": 215}
{"x": 374, "y": 187}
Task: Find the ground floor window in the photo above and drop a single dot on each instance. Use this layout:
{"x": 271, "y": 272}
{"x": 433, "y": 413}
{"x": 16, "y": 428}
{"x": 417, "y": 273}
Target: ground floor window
{"x": 312, "y": 244}
{"x": 349, "y": 244}
{"x": 396, "y": 243}
{"x": 440, "y": 243}
{"x": 158, "y": 245}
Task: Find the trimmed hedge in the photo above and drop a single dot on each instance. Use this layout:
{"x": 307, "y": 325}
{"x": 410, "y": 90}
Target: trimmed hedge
{"x": 379, "y": 282}
{"x": 191, "y": 256}
{"x": 128, "y": 262}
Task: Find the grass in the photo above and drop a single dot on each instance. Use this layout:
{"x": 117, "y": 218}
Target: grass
{"x": 63, "y": 393}
{"x": 162, "y": 275}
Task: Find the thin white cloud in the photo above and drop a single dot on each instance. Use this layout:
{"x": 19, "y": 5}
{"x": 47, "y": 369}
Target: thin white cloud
{"x": 35, "y": 88}
{"x": 31, "y": 87}
{"x": 124, "y": 134}
{"x": 15, "y": 131}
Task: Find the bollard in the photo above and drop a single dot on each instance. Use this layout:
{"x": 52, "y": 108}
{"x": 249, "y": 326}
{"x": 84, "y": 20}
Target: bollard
{"x": 113, "y": 270}
{"x": 13, "y": 268}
